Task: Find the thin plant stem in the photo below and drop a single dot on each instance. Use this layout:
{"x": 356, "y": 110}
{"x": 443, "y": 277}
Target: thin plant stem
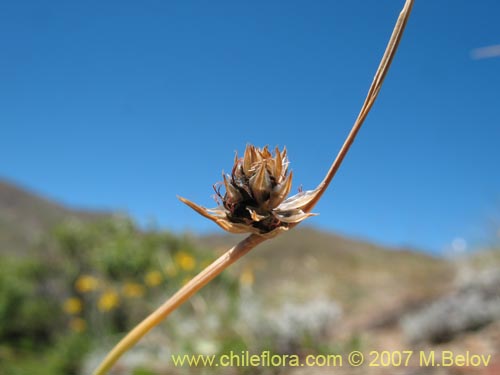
{"x": 182, "y": 295}
{"x": 242, "y": 248}
{"x": 375, "y": 87}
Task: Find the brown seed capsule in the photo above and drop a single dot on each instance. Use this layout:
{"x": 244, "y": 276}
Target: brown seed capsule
{"x": 254, "y": 199}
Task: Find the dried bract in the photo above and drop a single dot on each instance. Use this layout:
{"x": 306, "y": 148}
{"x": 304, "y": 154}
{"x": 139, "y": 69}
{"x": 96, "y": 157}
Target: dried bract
{"x": 255, "y": 194}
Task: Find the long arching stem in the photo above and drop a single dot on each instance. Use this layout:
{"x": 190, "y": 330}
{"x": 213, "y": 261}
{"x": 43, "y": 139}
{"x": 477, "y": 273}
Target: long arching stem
{"x": 375, "y": 87}
{"x": 236, "y": 252}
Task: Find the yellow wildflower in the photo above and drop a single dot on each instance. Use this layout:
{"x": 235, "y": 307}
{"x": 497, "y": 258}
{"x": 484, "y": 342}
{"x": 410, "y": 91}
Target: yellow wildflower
{"x": 77, "y": 325}
{"x": 247, "y": 277}
{"x": 133, "y": 290}
{"x": 153, "y": 278}
{"x": 108, "y": 301}
{"x": 86, "y": 283}
{"x": 72, "y": 306}
{"x": 185, "y": 261}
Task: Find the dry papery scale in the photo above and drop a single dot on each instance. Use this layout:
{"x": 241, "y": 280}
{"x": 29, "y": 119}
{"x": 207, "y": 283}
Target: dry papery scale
{"x": 255, "y": 202}
{"x": 255, "y": 192}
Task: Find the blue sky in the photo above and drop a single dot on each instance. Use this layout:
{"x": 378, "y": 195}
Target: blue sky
{"x": 124, "y": 104}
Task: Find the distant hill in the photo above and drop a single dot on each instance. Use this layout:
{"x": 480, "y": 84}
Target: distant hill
{"x": 375, "y": 286}
{"x": 25, "y": 216}
{"x": 364, "y": 277}
{"x": 355, "y": 272}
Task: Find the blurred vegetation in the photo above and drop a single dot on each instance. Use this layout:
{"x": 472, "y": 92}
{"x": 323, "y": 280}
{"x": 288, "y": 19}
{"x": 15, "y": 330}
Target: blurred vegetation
{"x": 69, "y": 292}
{"x": 87, "y": 281}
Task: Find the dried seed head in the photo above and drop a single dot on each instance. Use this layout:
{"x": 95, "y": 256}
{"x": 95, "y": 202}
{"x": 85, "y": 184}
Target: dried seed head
{"x": 254, "y": 199}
